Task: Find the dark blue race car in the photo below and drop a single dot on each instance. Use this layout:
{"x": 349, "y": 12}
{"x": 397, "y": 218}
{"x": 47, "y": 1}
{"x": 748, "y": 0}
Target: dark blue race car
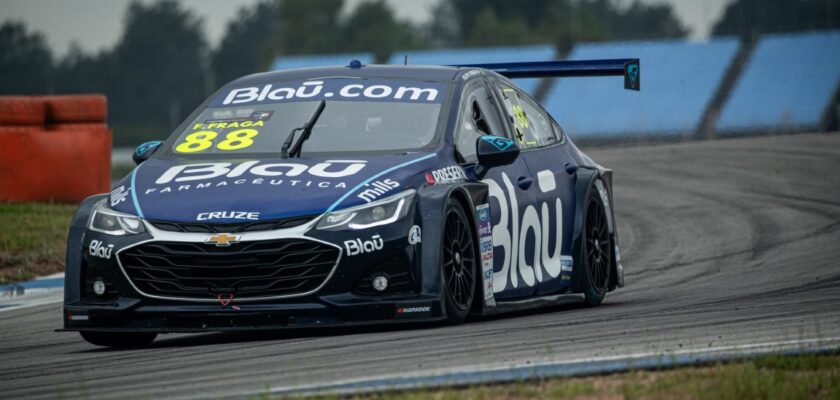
{"x": 348, "y": 195}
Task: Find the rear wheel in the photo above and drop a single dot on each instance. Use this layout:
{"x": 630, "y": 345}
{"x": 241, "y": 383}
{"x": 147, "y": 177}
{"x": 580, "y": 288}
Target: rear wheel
{"x": 458, "y": 268}
{"x": 596, "y": 250}
{"x": 119, "y": 339}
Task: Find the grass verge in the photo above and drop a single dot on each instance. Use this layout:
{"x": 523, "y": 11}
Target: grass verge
{"x": 33, "y": 239}
{"x": 770, "y": 377}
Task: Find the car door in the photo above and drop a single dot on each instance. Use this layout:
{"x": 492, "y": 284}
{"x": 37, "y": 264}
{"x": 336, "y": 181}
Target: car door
{"x": 550, "y": 219}
{"x": 510, "y": 190}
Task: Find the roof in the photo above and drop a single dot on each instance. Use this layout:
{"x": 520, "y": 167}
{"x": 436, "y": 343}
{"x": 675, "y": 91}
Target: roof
{"x": 416, "y": 72}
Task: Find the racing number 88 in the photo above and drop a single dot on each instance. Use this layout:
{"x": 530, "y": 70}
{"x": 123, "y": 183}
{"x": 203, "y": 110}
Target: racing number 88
{"x": 197, "y": 141}
{"x": 239, "y": 139}
{"x": 202, "y": 140}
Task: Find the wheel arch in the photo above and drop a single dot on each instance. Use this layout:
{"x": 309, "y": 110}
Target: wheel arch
{"x": 587, "y": 180}
{"x": 433, "y": 200}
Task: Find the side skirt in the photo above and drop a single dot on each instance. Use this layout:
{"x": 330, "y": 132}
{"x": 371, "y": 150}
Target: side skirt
{"x": 545, "y": 301}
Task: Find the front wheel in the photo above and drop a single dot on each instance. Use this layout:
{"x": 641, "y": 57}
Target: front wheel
{"x": 119, "y": 339}
{"x": 458, "y": 266}
{"x": 596, "y": 250}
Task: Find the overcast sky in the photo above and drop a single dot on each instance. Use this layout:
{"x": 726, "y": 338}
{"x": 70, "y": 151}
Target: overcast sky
{"x": 97, "y": 24}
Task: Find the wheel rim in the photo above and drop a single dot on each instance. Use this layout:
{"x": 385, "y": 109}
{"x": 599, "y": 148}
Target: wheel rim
{"x": 598, "y": 252}
{"x": 458, "y": 260}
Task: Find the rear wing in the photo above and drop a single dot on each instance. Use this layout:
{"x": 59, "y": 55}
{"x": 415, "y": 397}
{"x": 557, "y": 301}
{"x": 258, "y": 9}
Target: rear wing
{"x": 627, "y": 67}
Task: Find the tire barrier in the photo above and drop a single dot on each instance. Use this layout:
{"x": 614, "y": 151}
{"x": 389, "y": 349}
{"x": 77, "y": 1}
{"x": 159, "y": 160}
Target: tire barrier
{"x": 54, "y": 148}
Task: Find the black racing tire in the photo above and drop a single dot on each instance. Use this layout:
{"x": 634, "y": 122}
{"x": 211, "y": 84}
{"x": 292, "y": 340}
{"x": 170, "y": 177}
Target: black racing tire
{"x": 119, "y": 339}
{"x": 596, "y": 250}
{"x": 459, "y": 261}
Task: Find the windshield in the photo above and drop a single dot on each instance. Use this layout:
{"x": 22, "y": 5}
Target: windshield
{"x": 359, "y": 116}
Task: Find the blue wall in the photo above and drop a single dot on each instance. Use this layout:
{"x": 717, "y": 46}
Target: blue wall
{"x": 678, "y": 80}
{"x": 478, "y": 56}
{"x": 787, "y": 84}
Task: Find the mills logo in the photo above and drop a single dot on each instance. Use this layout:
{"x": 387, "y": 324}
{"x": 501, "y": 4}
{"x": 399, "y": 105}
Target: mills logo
{"x": 375, "y": 189}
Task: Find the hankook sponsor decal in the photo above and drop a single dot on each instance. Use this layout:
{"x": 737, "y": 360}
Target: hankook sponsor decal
{"x": 413, "y": 311}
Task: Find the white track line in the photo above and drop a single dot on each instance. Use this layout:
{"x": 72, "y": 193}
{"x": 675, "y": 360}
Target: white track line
{"x": 581, "y": 366}
{"x": 23, "y": 295}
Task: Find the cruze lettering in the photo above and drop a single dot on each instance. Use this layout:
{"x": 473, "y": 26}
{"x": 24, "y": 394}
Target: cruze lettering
{"x": 243, "y": 215}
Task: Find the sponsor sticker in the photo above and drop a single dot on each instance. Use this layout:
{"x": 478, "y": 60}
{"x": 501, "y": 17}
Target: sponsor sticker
{"x": 359, "y": 246}
{"x": 499, "y": 142}
{"x": 333, "y": 89}
{"x": 413, "y": 311}
{"x": 376, "y": 189}
{"x": 446, "y": 175}
{"x": 99, "y": 249}
{"x": 415, "y": 235}
{"x": 510, "y": 235}
{"x": 119, "y": 195}
{"x": 189, "y": 177}
{"x": 471, "y": 74}
{"x": 566, "y": 264}
{"x": 485, "y": 246}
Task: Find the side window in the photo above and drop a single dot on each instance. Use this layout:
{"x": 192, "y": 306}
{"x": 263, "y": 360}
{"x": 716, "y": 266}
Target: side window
{"x": 531, "y": 125}
{"x": 558, "y": 131}
{"x": 478, "y": 118}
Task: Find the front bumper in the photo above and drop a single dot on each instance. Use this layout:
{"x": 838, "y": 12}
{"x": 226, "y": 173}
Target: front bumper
{"x": 132, "y": 315}
{"x": 336, "y": 302}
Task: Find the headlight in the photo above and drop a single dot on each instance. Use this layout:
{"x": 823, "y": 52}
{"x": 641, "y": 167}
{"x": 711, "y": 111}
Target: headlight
{"x": 378, "y": 213}
{"x": 114, "y": 223}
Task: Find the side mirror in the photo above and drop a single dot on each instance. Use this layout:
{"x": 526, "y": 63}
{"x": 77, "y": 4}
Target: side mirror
{"x": 145, "y": 151}
{"x": 494, "y": 151}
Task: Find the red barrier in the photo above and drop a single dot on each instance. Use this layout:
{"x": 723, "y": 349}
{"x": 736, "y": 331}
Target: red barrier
{"x": 16, "y": 110}
{"x": 54, "y": 148}
{"x": 76, "y": 108}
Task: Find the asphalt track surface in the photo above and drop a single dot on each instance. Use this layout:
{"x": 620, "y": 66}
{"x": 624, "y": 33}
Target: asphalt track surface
{"x": 727, "y": 242}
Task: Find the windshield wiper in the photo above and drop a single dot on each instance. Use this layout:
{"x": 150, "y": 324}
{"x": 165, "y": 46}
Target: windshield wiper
{"x": 307, "y": 131}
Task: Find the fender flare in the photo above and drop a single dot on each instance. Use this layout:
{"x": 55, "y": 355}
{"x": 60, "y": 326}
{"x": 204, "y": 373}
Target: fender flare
{"x": 73, "y": 258}
{"x": 431, "y": 206}
{"x": 589, "y": 179}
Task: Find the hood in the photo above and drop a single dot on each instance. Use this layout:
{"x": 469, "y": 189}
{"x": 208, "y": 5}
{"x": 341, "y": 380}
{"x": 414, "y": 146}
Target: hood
{"x": 266, "y": 189}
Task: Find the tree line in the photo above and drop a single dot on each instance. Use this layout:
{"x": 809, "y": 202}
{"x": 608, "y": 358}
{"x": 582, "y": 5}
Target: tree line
{"x": 162, "y": 67}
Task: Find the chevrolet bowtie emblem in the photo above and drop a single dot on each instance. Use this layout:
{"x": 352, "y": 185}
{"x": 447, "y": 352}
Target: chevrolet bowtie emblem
{"x": 222, "y": 239}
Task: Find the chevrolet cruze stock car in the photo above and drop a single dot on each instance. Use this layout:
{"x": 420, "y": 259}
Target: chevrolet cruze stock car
{"x": 349, "y": 195}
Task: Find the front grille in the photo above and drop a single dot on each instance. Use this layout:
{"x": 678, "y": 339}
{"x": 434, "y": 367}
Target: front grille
{"x": 232, "y": 227}
{"x": 269, "y": 268}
